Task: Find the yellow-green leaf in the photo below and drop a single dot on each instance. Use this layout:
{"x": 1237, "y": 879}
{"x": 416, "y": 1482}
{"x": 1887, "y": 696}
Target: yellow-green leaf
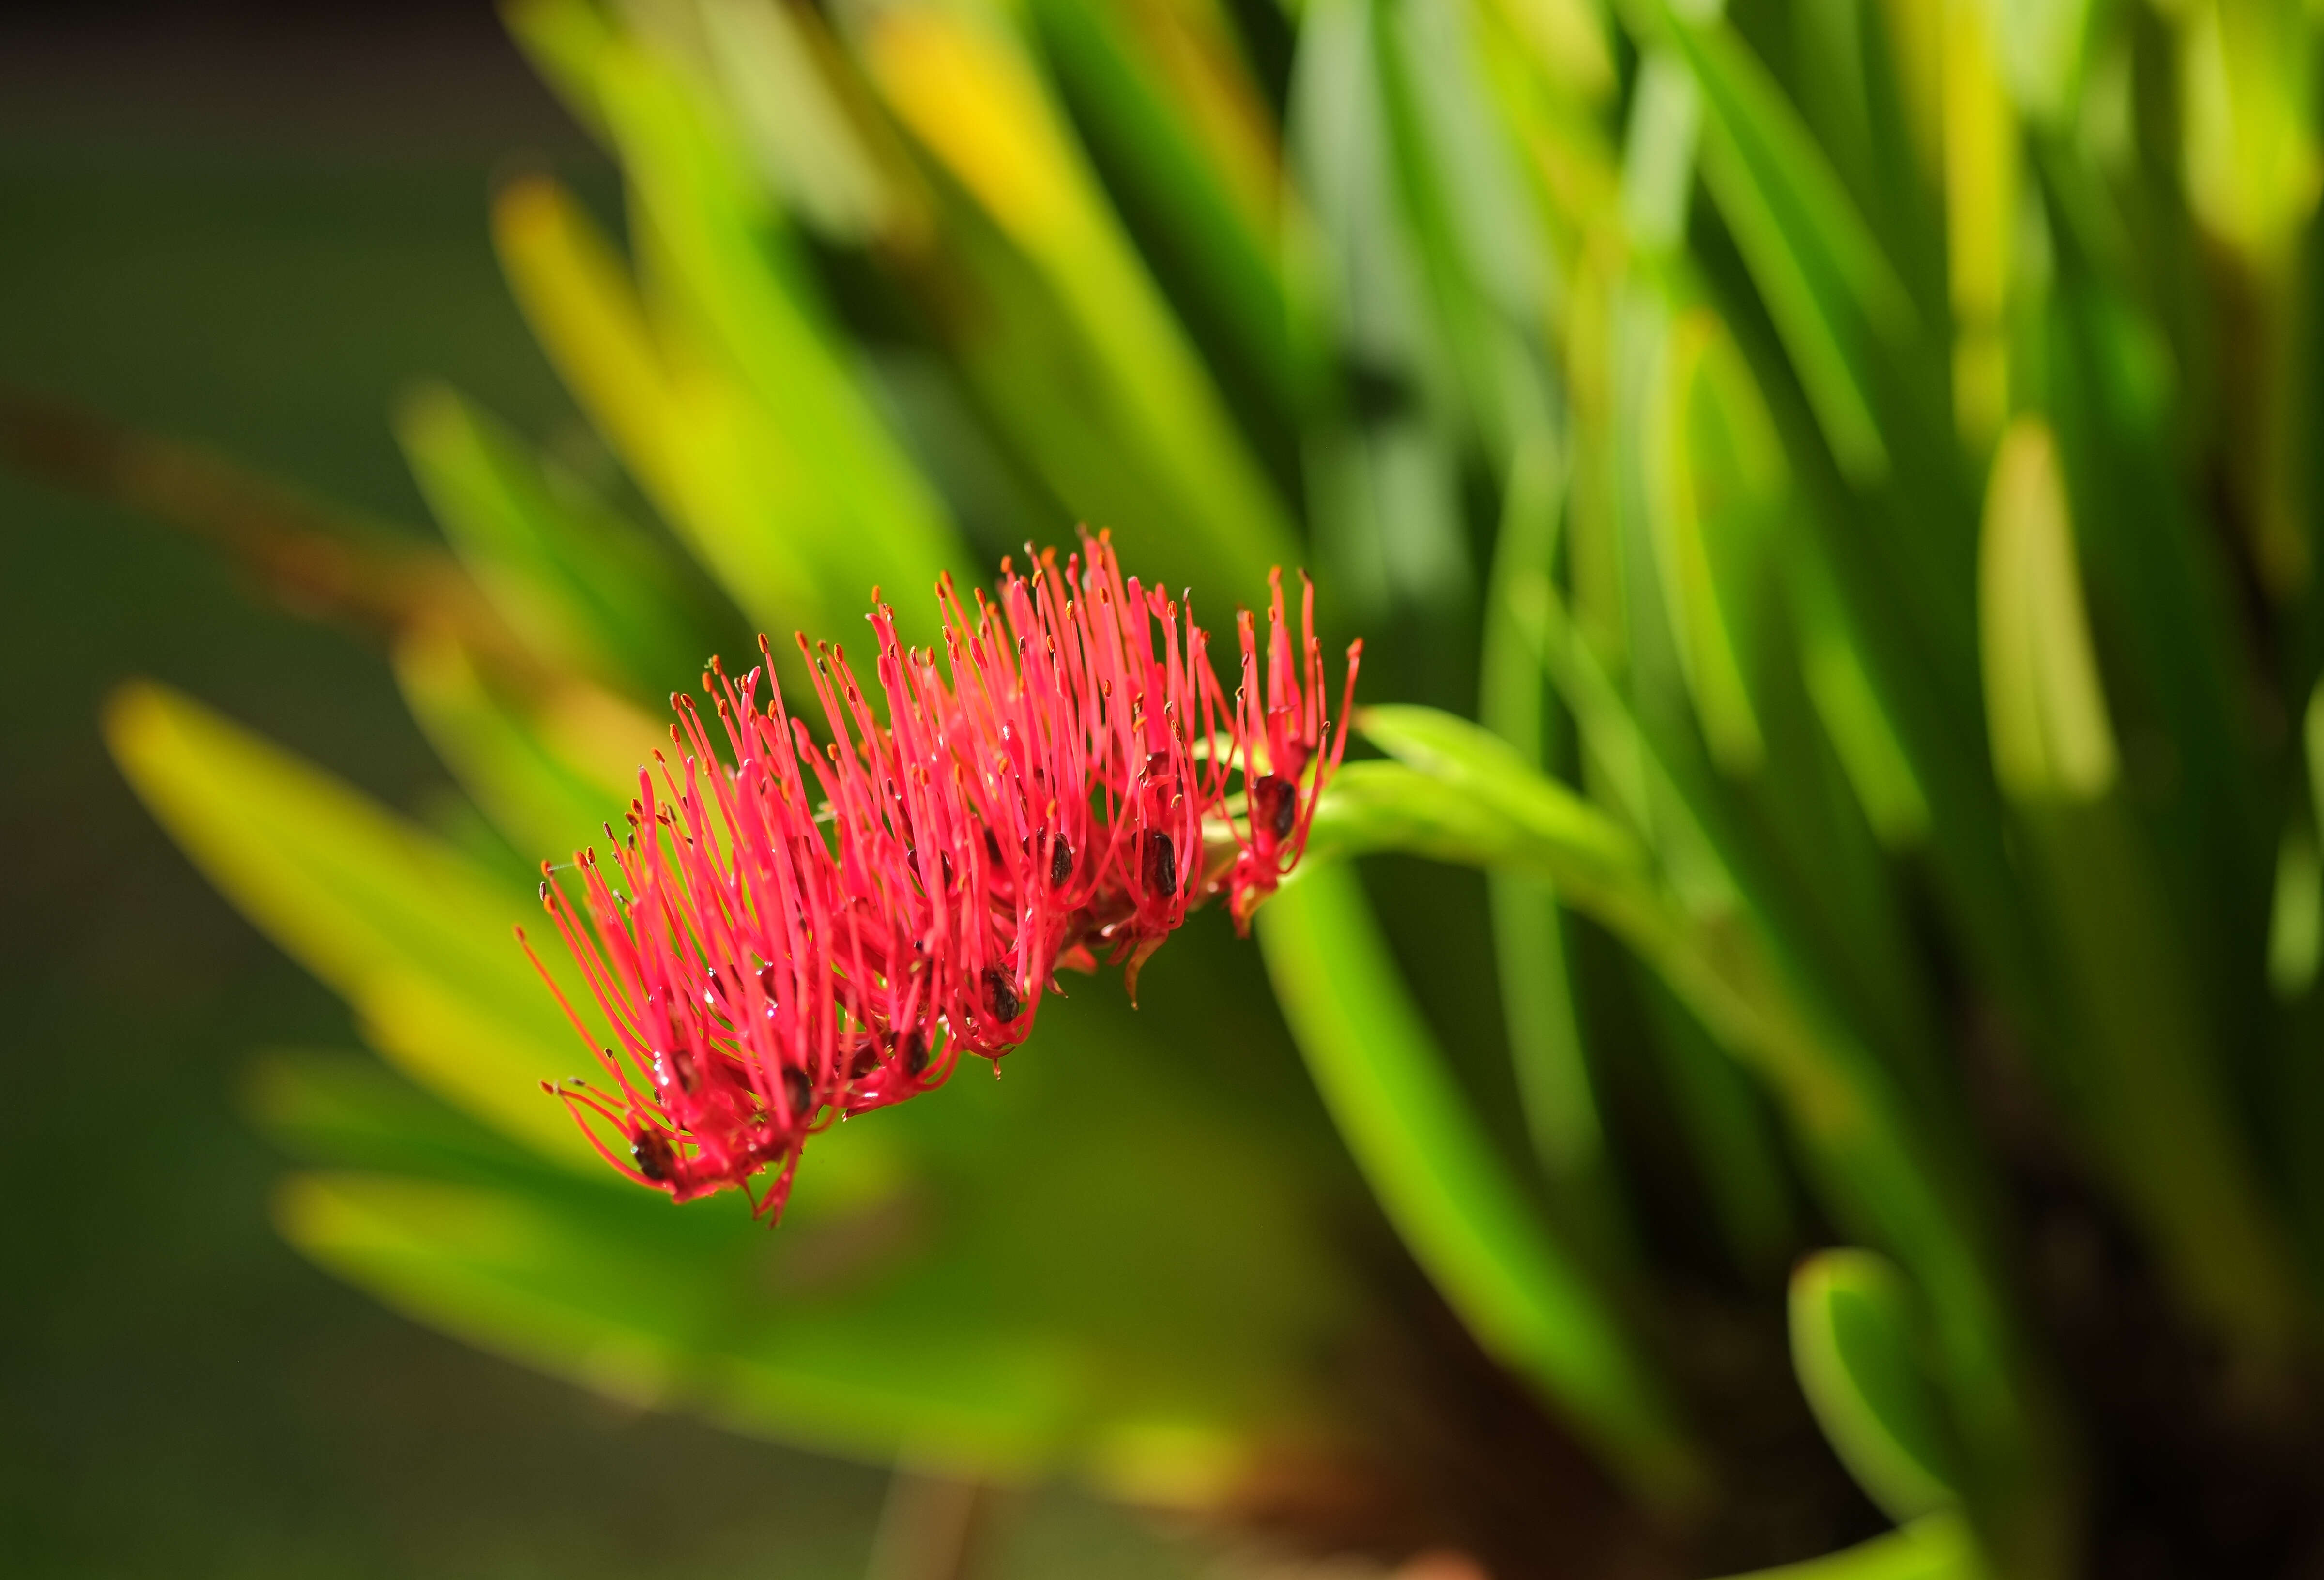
{"x": 416, "y": 939}
{"x": 2045, "y": 709}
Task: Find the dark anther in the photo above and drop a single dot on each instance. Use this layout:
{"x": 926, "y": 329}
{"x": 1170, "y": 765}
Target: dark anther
{"x": 1000, "y": 994}
{"x": 1161, "y": 863}
{"x": 1061, "y": 861}
{"x": 799, "y": 1091}
{"x": 916, "y": 1052}
{"x": 992, "y": 847}
{"x": 1276, "y": 805}
{"x": 656, "y": 1161}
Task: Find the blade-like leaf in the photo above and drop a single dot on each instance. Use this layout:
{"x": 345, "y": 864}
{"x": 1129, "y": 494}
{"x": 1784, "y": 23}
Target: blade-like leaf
{"x": 1856, "y": 1345}
{"x": 1546, "y": 1048}
{"x": 2051, "y": 738}
{"x": 1433, "y": 1168}
{"x": 1835, "y": 298}
{"x": 863, "y": 516}
{"x": 1167, "y": 104}
{"x": 416, "y": 939}
{"x": 966, "y": 89}
{"x": 2135, "y": 1058}
{"x": 1935, "y": 1546}
{"x": 550, "y": 774}
{"x": 575, "y": 580}
{"x": 1084, "y": 1320}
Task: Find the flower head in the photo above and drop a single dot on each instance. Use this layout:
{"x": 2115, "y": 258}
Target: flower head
{"x": 820, "y": 930}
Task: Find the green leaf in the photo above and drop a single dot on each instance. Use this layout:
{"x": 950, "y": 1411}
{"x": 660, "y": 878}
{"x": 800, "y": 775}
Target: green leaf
{"x": 416, "y": 939}
{"x": 565, "y": 40}
{"x": 1164, "y": 97}
{"x": 1857, "y": 1347}
{"x": 1854, "y": 718}
{"x": 572, "y": 577}
{"x": 1883, "y": 1171}
{"x": 550, "y": 774}
{"x": 578, "y": 295}
{"x": 1431, "y": 1164}
{"x": 984, "y": 1276}
{"x": 726, "y": 478}
{"x": 774, "y": 62}
{"x": 649, "y": 1321}
{"x": 966, "y": 89}
{"x": 1935, "y": 1546}
{"x": 1835, "y": 298}
{"x": 2295, "y": 934}
{"x": 1383, "y": 463}
{"x": 2051, "y": 738}
{"x": 1480, "y": 240}
{"x": 1474, "y": 762}
{"x": 860, "y": 513}
{"x": 1719, "y": 494}
{"x": 1546, "y": 1047}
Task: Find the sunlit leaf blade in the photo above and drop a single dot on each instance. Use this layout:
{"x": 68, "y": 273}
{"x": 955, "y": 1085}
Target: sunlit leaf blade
{"x": 1983, "y": 172}
{"x": 862, "y": 515}
{"x": 968, "y": 92}
{"x": 1168, "y": 104}
{"x": 1857, "y": 1347}
{"x": 2253, "y": 166}
{"x": 701, "y": 450}
{"x": 583, "y": 306}
{"x": 1569, "y": 42}
{"x": 1432, "y": 1167}
{"x": 2051, "y": 738}
{"x": 415, "y": 938}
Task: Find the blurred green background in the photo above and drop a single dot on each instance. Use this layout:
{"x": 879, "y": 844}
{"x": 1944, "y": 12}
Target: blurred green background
{"x": 250, "y": 228}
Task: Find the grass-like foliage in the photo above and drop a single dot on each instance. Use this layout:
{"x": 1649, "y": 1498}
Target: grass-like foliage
{"x": 1824, "y": 487}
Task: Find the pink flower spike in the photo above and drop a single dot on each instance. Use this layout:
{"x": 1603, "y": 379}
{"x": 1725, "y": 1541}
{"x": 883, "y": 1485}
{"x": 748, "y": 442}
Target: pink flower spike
{"x": 821, "y": 930}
